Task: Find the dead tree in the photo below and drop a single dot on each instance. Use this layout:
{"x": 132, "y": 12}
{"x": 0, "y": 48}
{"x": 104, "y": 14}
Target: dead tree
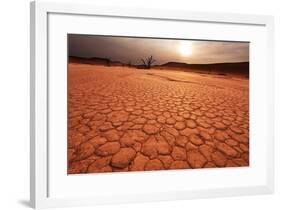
{"x": 148, "y": 62}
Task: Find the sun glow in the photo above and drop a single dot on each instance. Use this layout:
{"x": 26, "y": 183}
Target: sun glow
{"x": 185, "y": 48}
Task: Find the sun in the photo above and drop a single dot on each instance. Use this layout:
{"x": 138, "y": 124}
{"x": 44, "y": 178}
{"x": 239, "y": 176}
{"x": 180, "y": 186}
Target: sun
{"x": 185, "y": 48}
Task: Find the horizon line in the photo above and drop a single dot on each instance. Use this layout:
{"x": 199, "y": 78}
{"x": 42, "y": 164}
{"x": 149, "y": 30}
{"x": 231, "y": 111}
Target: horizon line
{"x": 157, "y": 64}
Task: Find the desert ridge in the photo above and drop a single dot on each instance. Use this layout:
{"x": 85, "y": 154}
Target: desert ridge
{"x": 234, "y": 69}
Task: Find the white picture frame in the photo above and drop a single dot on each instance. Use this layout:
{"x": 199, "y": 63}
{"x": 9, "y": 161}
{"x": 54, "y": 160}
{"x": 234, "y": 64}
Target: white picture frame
{"x": 40, "y": 157}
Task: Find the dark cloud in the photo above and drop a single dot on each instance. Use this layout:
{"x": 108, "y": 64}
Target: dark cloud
{"x": 131, "y": 49}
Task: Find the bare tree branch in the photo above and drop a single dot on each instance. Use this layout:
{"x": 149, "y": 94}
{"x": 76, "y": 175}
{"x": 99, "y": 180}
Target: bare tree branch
{"x": 144, "y": 63}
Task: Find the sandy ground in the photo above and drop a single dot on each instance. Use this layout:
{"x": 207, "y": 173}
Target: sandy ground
{"x": 123, "y": 119}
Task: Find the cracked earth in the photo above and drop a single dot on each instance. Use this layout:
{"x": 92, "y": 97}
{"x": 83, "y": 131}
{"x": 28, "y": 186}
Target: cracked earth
{"x": 122, "y": 119}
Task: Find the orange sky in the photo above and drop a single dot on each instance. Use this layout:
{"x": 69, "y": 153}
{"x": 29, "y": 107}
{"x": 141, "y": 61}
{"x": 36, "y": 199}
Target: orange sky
{"x": 129, "y": 49}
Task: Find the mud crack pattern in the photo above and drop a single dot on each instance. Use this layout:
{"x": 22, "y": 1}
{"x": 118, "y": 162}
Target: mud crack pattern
{"x": 122, "y": 119}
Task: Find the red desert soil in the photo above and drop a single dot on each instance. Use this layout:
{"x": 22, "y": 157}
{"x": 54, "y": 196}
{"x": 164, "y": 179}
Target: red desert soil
{"x": 126, "y": 119}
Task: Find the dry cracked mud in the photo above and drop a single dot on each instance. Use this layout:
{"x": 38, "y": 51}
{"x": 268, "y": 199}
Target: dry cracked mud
{"x": 122, "y": 119}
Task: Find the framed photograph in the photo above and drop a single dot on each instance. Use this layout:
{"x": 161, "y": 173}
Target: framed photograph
{"x": 132, "y": 105}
